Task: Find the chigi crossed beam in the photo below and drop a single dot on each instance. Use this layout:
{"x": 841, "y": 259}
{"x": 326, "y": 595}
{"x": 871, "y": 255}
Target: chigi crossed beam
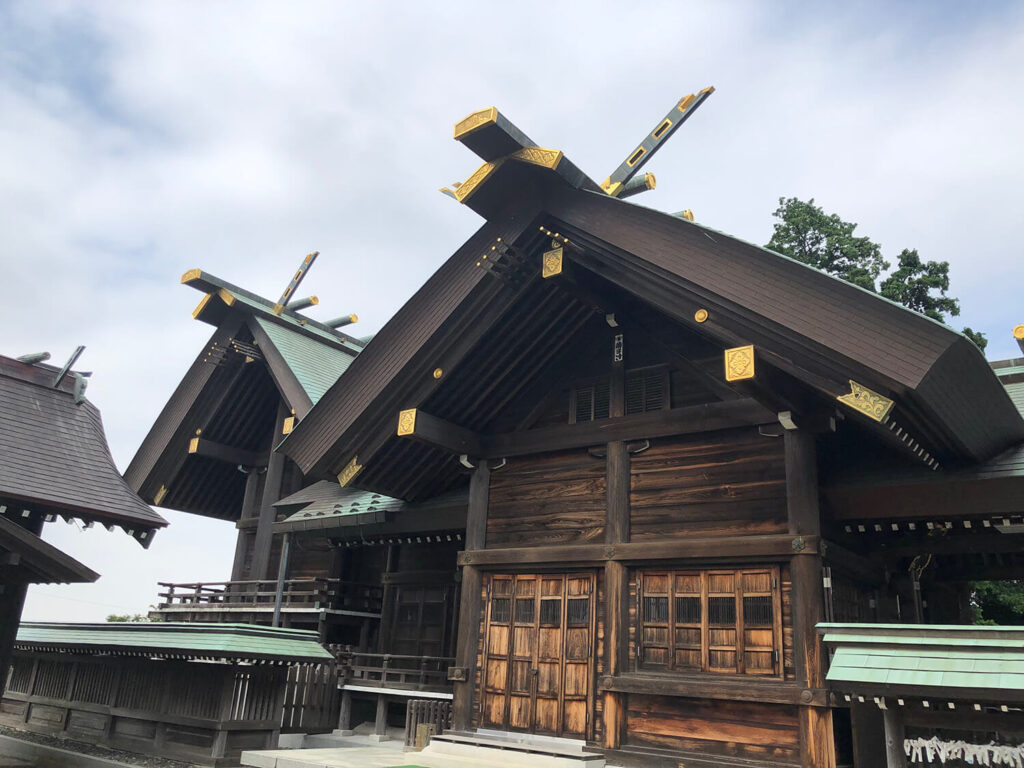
{"x": 495, "y": 139}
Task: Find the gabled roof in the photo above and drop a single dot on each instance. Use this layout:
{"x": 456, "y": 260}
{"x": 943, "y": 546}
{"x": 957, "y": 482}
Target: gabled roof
{"x": 27, "y": 559}
{"x": 305, "y": 357}
{"x": 818, "y": 330}
{"x": 314, "y": 364}
{"x": 325, "y": 506}
{"x": 254, "y": 360}
{"x": 54, "y": 457}
{"x": 984, "y": 664}
{"x": 212, "y": 642}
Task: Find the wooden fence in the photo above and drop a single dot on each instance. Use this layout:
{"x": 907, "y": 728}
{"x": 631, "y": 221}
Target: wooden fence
{"x": 310, "y": 699}
{"x": 426, "y": 712}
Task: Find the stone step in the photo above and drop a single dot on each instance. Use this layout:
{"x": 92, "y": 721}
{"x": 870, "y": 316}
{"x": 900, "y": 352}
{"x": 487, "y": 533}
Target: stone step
{"x": 505, "y": 749}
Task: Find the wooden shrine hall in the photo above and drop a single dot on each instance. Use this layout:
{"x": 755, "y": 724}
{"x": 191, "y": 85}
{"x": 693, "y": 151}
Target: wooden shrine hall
{"x": 682, "y": 452}
{"x": 372, "y": 574}
{"x": 54, "y": 463}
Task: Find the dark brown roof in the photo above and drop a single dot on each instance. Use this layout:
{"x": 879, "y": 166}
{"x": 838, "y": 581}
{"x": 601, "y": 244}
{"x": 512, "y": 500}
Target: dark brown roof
{"x": 232, "y": 398}
{"x": 814, "y": 327}
{"x": 54, "y": 457}
{"x": 35, "y": 561}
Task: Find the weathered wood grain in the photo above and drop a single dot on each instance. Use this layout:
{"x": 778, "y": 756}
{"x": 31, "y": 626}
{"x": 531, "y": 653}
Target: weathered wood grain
{"x": 728, "y": 482}
{"x": 549, "y": 499}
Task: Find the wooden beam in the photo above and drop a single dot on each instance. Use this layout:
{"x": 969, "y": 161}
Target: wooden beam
{"x": 762, "y": 546}
{"x": 867, "y": 570}
{"x": 958, "y": 543}
{"x": 419, "y": 425}
{"x": 200, "y": 446}
{"x": 281, "y": 372}
{"x": 699, "y": 686}
{"x": 677, "y": 421}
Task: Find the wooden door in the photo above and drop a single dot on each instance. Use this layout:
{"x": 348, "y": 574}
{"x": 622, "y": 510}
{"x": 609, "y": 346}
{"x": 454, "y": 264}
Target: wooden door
{"x": 420, "y": 621}
{"x": 539, "y": 653}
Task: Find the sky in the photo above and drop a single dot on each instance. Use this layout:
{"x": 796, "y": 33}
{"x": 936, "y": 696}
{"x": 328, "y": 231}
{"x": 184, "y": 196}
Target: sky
{"x": 140, "y": 140}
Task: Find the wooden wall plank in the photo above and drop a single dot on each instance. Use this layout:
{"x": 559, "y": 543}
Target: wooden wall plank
{"x": 728, "y": 482}
{"x": 549, "y": 499}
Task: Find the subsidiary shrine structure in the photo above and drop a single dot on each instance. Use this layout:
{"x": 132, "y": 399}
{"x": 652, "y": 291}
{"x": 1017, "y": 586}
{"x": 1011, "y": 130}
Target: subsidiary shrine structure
{"x": 603, "y": 477}
{"x": 54, "y": 464}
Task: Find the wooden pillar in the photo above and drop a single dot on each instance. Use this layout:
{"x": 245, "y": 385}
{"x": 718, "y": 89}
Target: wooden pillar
{"x": 282, "y": 572}
{"x": 345, "y": 714}
{"x": 616, "y": 584}
{"x": 469, "y": 606}
{"x": 252, "y": 484}
{"x": 895, "y": 757}
{"x": 268, "y": 513}
{"x": 388, "y": 601}
{"x": 12, "y": 600}
{"x": 380, "y": 724}
{"x": 868, "y": 735}
{"x": 817, "y": 743}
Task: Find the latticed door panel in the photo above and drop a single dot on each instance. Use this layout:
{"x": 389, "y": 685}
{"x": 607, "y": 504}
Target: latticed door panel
{"x": 578, "y": 653}
{"x": 496, "y": 650}
{"x": 539, "y": 651}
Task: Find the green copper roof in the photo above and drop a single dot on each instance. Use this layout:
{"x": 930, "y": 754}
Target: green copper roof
{"x": 175, "y": 640}
{"x": 916, "y": 659}
{"x": 316, "y": 365}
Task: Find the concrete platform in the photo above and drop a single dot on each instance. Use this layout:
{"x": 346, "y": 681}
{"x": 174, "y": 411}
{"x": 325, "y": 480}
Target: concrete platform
{"x": 460, "y": 750}
{"x": 351, "y": 757}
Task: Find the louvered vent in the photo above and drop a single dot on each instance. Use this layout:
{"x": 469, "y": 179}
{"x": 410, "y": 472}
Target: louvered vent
{"x": 584, "y": 404}
{"x": 592, "y": 402}
{"x": 646, "y": 390}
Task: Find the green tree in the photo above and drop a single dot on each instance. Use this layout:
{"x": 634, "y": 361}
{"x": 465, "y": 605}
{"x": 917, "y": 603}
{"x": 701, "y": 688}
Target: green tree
{"x": 806, "y": 233}
{"x": 998, "y": 602}
{"x": 912, "y": 282}
{"x": 125, "y": 617}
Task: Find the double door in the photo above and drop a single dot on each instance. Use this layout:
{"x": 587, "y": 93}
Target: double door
{"x": 538, "y": 653}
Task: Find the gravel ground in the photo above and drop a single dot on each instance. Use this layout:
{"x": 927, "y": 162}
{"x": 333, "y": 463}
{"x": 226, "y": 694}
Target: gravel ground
{"x": 131, "y": 758}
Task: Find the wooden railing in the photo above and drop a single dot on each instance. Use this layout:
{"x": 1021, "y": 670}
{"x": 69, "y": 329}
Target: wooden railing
{"x": 389, "y": 670}
{"x": 261, "y": 595}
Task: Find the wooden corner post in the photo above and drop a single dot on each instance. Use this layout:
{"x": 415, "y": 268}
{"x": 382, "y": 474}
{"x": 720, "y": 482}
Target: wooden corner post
{"x": 616, "y": 577}
{"x": 268, "y": 512}
{"x": 817, "y": 744}
{"x": 469, "y": 605}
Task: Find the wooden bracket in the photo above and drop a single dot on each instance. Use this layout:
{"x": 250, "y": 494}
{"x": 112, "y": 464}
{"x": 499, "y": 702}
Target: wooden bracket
{"x": 422, "y": 426}
{"x": 202, "y": 447}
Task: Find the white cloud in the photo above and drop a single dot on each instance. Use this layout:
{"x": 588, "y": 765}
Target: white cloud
{"x": 138, "y": 140}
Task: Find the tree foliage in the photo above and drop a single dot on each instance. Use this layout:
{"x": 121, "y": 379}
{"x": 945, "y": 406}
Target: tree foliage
{"x": 998, "y": 602}
{"x": 126, "y": 617}
{"x": 803, "y": 231}
{"x": 912, "y": 282}
{"x": 806, "y": 233}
